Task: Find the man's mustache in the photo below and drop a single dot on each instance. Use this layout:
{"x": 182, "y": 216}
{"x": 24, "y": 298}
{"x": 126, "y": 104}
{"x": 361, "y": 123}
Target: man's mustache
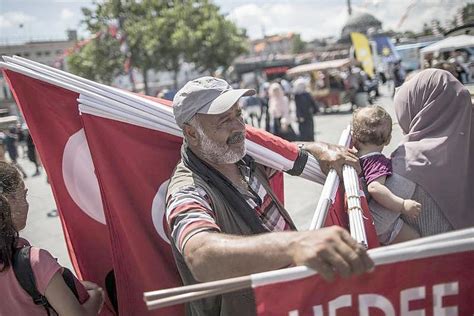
{"x": 236, "y": 138}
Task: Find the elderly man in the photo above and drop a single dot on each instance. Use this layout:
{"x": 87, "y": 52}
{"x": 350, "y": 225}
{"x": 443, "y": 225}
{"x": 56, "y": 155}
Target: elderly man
{"x": 223, "y": 217}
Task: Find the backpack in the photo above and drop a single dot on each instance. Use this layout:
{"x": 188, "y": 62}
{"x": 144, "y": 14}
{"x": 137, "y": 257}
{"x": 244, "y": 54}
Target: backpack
{"x": 21, "y": 265}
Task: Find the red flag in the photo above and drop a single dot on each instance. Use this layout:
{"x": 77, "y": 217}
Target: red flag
{"x": 53, "y": 120}
{"x": 436, "y": 285}
{"x": 133, "y": 165}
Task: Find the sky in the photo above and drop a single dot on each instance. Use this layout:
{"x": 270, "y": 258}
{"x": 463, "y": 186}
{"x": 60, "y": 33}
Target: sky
{"x": 23, "y": 20}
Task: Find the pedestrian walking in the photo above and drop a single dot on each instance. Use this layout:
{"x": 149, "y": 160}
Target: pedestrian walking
{"x": 32, "y": 156}
{"x": 11, "y": 145}
{"x": 306, "y": 108}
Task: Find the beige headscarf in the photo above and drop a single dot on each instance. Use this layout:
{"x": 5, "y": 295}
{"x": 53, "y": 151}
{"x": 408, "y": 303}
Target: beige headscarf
{"x": 435, "y": 113}
{"x": 278, "y": 103}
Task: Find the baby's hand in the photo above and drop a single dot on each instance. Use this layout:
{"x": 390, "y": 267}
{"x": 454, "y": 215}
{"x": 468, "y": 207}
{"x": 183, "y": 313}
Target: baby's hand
{"x": 411, "y": 209}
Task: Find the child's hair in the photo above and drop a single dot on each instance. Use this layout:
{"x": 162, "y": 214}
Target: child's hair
{"x": 10, "y": 180}
{"x": 371, "y": 125}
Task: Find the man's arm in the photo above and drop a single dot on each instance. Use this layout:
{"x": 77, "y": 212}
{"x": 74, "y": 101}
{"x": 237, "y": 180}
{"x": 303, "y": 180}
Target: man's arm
{"x": 212, "y": 256}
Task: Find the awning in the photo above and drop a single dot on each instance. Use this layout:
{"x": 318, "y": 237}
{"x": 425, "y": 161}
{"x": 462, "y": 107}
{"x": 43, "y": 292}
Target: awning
{"x": 450, "y": 43}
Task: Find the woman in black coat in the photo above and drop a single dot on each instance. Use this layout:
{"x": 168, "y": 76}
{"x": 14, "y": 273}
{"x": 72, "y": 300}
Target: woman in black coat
{"x": 306, "y": 108}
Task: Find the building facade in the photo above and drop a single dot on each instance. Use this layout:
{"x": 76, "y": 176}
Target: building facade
{"x": 50, "y": 53}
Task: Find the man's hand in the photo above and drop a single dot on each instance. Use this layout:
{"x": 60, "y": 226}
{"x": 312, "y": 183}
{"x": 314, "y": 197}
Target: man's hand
{"x": 411, "y": 209}
{"x": 330, "y": 251}
{"x": 334, "y": 157}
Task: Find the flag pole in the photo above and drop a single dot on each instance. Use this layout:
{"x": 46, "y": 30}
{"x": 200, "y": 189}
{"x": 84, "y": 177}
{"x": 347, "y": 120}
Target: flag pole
{"x": 329, "y": 188}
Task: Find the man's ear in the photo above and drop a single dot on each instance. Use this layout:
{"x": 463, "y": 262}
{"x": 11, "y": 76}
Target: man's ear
{"x": 191, "y": 134}
{"x": 388, "y": 140}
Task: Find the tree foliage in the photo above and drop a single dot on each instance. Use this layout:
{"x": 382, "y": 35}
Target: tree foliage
{"x": 160, "y": 35}
{"x": 99, "y": 60}
{"x": 298, "y": 45}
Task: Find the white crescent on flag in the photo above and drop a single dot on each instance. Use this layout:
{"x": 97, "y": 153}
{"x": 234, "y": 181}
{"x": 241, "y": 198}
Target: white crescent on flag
{"x": 158, "y": 209}
{"x": 79, "y": 177}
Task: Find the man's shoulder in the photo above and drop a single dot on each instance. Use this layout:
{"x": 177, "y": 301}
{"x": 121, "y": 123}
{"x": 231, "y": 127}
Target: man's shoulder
{"x": 184, "y": 179}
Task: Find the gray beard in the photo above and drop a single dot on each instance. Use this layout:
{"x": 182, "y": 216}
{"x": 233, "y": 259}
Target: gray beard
{"x": 216, "y": 153}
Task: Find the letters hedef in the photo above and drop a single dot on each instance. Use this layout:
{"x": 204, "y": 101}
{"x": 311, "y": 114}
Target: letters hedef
{"x": 380, "y": 302}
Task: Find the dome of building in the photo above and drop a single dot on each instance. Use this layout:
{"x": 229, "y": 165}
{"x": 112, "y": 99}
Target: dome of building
{"x": 360, "y": 22}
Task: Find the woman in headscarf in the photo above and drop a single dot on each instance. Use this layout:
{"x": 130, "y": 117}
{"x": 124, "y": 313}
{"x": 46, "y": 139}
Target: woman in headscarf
{"x": 279, "y": 109}
{"x": 305, "y": 109}
{"x": 434, "y": 162}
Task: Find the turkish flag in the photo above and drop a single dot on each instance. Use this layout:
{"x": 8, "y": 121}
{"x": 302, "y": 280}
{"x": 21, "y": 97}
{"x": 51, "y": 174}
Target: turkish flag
{"x": 133, "y": 165}
{"x": 53, "y": 120}
{"x": 440, "y": 284}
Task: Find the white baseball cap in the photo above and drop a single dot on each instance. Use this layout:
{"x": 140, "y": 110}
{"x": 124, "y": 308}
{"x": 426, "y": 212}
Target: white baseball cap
{"x": 208, "y": 95}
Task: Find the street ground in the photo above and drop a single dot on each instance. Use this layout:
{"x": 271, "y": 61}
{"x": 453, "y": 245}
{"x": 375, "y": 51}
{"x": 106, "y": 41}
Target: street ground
{"x": 301, "y": 196}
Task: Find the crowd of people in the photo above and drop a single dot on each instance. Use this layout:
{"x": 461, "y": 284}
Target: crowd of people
{"x": 456, "y": 63}
{"x": 273, "y": 111}
{"x": 287, "y": 108}
{"x": 224, "y": 219}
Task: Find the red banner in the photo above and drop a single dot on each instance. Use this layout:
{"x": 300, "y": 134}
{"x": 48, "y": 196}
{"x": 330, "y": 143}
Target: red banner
{"x": 434, "y": 286}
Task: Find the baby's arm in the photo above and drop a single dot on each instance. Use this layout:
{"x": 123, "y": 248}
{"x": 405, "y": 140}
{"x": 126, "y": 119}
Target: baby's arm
{"x": 380, "y": 193}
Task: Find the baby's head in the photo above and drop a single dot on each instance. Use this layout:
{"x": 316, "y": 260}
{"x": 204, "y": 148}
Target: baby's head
{"x": 371, "y": 126}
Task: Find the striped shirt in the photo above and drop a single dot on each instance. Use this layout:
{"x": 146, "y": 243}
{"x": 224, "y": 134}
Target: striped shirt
{"x": 190, "y": 210}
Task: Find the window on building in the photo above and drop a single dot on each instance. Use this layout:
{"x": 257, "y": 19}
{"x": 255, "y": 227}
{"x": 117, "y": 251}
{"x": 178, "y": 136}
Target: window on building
{"x": 47, "y": 53}
{"x": 39, "y": 54}
{"x": 26, "y": 54}
{"x": 59, "y": 52}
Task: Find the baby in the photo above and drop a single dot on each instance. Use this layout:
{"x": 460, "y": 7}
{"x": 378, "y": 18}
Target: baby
{"x": 371, "y": 131}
